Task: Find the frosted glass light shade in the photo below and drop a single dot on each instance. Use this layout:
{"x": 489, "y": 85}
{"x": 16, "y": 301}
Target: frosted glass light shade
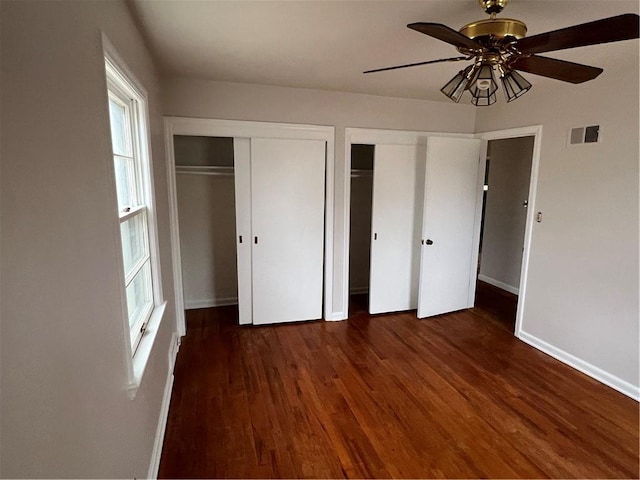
{"x": 458, "y": 84}
{"x": 484, "y": 100}
{"x": 484, "y": 87}
{"x": 514, "y": 85}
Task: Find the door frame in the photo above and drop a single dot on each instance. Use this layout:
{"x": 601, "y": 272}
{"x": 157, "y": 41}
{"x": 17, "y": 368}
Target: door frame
{"x": 371, "y": 136}
{"x": 534, "y": 131}
{"x": 243, "y": 129}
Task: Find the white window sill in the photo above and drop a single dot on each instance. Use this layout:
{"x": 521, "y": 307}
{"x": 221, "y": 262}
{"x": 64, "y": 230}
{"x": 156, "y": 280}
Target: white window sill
{"x": 141, "y": 357}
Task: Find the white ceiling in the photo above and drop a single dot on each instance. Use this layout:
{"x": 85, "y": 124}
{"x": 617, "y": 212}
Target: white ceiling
{"x": 326, "y": 44}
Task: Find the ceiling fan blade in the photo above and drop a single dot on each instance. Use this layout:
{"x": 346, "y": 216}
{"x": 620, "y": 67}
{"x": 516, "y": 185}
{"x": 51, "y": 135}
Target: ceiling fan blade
{"x": 452, "y": 59}
{"x": 446, "y": 34}
{"x": 613, "y": 29}
{"x": 557, "y": 69}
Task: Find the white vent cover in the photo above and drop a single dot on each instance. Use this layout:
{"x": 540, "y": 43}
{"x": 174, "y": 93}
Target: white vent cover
{"x": 580, "y": 135}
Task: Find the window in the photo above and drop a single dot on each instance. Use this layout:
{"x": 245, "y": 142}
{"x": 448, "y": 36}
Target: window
{"x": 135, "y": 209}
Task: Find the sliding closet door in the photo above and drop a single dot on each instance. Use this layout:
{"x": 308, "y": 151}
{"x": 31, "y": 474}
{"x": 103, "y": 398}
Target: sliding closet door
{"x": 242, "y": 177}
{"x": 287, "y": 216}
{"x": 450, "y": 233}
{"x": 398, "y": 180}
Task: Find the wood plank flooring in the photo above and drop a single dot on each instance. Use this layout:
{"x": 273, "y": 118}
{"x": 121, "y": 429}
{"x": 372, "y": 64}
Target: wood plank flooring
{"x": 496, "y": 305}
{"x": 387, "y": 396}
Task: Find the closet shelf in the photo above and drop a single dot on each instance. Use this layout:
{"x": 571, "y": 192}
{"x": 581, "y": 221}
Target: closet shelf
{"x": 204, "y": 170}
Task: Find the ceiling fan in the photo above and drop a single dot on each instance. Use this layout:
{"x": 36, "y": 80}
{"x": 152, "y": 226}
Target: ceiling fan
{"x": 500, "y": 44}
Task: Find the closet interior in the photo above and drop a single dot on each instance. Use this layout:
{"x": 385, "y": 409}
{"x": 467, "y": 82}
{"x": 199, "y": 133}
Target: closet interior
{"x": 360, "y": 224}
{"x": 206, "y": 209}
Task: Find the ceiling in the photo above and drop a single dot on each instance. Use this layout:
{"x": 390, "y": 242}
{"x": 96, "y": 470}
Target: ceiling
{"x": 327, "y": 44}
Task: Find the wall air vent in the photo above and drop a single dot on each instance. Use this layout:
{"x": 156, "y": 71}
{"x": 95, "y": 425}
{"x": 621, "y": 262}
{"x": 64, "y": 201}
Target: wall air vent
{"x": 581, "y": 135}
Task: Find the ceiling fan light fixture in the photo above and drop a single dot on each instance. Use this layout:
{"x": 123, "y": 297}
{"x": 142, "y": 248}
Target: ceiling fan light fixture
{"x": 514, "y": 85}
{"x": 484, "y": 87}
{"x": 458, "y": 84}
{"x": 502, "y": 43}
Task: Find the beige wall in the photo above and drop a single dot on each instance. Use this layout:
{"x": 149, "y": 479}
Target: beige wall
{"x": 505, "y": 216}
{"x": 65, "y": 409}
{"x": 234, "y": 101}
{"x": 582, "y": 292}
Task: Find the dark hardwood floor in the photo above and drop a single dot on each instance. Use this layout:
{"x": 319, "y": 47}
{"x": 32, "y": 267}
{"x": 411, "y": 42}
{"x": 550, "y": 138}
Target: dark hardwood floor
{"x": 387, "y": 396}
{"x": 496, "y": 305}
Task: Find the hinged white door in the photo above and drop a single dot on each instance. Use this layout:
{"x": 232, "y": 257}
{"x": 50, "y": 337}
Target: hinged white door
{"x": 398, "y": 183}
{"x": 453, "y": 190}
{"x": 287, "y": 222}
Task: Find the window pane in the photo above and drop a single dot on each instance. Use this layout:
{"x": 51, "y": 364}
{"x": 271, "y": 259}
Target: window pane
{"x": 139, "y": 295}
{"x": 119, "y": 137}
{"x": 124, "y": 181}
{"x": 134, "y": 241}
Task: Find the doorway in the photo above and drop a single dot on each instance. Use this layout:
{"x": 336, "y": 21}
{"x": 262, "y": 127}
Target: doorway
{"x": 502, "y": 235}
{"x": 362, "y": 156}
{"x": 387, "y": 185}
{"x": 205, "y": 193}
{"x": 416, "y": 261}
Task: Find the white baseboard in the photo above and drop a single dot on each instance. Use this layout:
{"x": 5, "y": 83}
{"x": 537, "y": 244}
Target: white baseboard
{"x": 499, "y": 284}
{"x": 594, "y": 372}
{"x": 210, "y": 302}
{"x": 156, "y": 454}
{"x": 358, "y": 290}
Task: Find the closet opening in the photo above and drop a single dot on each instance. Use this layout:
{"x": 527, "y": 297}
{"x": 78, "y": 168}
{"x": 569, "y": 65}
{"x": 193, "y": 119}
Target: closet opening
{"x": 360, "y": 227}
{"x": 502, "y": 231}
{"x": 205, "y": 191}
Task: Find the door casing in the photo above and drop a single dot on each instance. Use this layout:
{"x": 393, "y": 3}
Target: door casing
{"x": 536, "y": 132}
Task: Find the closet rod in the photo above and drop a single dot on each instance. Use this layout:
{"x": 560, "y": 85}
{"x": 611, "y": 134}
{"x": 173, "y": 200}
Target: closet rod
{"x": 204, "y": 170}
{"x": 355, "y": 173}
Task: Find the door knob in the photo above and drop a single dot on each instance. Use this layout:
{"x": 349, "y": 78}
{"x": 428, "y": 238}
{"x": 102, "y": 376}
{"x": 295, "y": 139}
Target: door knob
{"x": 429, "y": 241}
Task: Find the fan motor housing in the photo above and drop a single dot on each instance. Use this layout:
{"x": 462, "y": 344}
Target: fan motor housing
{"x": 498, "y": 28}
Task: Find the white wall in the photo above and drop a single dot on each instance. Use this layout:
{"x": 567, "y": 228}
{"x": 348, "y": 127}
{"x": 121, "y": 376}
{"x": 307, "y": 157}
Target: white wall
{"x": 206, "y": 211}
{"x": 505, "y": 216}
{"x": 65, "y": 409}
{"x": 207, "y": 222}
{"x": 234, "y": 101}
{"x": 582, "y": 292}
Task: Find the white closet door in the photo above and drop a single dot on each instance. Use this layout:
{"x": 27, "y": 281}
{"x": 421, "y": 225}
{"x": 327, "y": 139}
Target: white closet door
{"x": 398, "y": 181}
{"x": 287, "y": 209}
{"x": 452, "y": 195}
{"x": 242, "y": 178}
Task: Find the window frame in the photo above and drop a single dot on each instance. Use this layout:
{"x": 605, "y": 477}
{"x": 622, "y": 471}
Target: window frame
{"x": 122, "y": 86}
